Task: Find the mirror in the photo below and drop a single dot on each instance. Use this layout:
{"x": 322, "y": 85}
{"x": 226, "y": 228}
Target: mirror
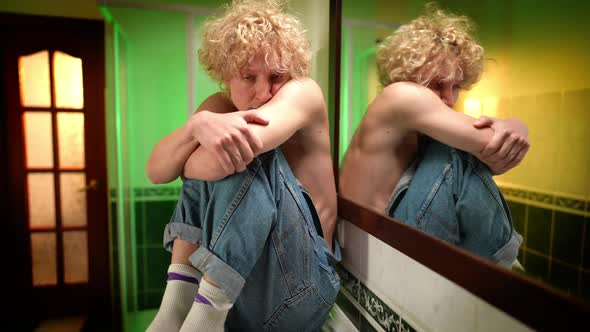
{"x": 535, "y": 70}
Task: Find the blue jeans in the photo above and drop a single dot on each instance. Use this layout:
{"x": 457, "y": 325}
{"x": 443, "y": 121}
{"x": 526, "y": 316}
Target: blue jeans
{"x": 259, "y": 244}
{"x": 452, "y": 196}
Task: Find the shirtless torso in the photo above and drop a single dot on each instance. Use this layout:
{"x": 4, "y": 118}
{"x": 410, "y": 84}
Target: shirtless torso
{"x": 308, "y": 154}
{"x": 386, "y": 141}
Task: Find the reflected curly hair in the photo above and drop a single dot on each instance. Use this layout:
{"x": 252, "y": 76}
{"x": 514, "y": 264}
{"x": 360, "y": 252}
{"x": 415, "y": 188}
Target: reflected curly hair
{"x": 435, "y": 45}
{"x": 248, "y": 27}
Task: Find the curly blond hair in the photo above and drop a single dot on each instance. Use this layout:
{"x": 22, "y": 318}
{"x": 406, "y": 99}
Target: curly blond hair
{"x": 248, "y": 27}
{"x": 437, "y": 45}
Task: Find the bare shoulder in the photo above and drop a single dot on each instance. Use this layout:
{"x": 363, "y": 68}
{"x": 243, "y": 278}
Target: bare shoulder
{"x": 403, "y": 95}
{"x": 303, "y": 94}
{"x": 217, "y": 103}
{"x": 402, "y": 100}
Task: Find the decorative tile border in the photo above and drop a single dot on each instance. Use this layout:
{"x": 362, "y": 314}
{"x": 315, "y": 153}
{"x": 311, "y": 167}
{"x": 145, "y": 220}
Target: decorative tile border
{"x": 540, "y": 197}
{"x": 545, "y": 200}
{"x": 571, "y": 203}
{"x": 387, "y": 319}
{"x": 150, "y": 193}
{"x": 155, "y": 192}
{"x": 517, "y": 193}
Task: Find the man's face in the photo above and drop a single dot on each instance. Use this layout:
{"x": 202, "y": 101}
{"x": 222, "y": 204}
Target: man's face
{"x": 448, "y": 92}
{"x": 255, "y": 85}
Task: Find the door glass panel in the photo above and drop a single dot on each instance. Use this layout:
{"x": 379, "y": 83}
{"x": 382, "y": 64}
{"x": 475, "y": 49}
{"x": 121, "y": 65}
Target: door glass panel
{"x": 73, "y": 199}
{"x": 67, "y": 72}
{"x": 33, "y": 75}
{"x": 41, "y": 194}
{"x": 70, "y": 136}
{"x": 75, "y": 256}
{"x": 38, "y": 139}
{"x": 43, "y": 249}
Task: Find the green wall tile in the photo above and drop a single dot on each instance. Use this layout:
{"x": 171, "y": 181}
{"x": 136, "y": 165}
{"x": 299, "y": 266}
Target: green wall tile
{"x": 149, "y": 299}
{"x": 518, "y": 214}
{"x": 157, "y": 214}
{"x": 349, "y": 309}
{"x": 586, "y": 244}
{"x": 537, "y": 266}
{"x": 586, "y": 285}
{"x": 567, "y": 237}
{"x": 114, "y": 229}
{"x": 139, "y": 207}
{"x": 157, "y": 267}
{"x": 142, "y": 276}
{"x": 538, "y": 229}
{"x": 564, "y": 277}
{"x": 141, "y": 300}
{"x": 366, "y": 326}
{"x": 153, "y": 299}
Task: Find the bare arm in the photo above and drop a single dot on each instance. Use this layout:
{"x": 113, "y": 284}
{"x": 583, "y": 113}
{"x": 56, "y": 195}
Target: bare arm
{"x": 417, "y": 108}
{"x": 293, "y": 107}
{"x": 170, "y": 153}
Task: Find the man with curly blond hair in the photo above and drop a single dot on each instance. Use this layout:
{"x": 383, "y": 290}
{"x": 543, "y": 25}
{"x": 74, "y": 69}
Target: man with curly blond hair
{"x": 424, "y": 164}
{"x": 251, "y": 248}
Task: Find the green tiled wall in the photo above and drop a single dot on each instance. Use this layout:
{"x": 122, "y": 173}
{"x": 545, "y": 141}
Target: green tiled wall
{"x": 153, "y": 209}
{"x": 556, "y": 246}
{"x": 151, "y": 216}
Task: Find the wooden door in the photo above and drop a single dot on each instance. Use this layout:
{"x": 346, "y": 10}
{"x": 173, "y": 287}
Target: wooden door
{"x": 54, "y": 181}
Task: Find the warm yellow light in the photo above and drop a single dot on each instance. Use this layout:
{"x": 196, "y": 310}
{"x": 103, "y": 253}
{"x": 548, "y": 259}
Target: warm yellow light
{"x": 490, "y": 106}
{"x": 67, "y": 76}
{"x": 472, "y": 107}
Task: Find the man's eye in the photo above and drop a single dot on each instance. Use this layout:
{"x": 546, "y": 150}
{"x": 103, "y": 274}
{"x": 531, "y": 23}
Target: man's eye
{"x": 277, "y": 77}
{"x": 248, "y": 78}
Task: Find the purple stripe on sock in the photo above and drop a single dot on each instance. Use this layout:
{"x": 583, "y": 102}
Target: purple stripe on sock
{"x": 201, "y": 299}
{"x": 178, "y": 276}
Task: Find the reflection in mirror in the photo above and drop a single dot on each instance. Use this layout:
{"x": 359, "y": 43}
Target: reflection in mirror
{"x": 412, "y": 146}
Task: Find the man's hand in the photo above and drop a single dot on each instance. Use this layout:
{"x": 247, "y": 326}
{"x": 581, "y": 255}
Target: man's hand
{"x": 227, "y": 135}
{"x": 507, "y": 147}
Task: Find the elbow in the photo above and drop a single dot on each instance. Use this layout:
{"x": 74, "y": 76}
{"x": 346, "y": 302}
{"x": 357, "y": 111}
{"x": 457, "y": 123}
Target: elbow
{"x": 205, "y": 175}
{"x": 154, "y": 176}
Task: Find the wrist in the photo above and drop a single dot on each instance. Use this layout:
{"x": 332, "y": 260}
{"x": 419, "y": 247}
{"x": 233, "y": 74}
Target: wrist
{"x": 192, "y": 126}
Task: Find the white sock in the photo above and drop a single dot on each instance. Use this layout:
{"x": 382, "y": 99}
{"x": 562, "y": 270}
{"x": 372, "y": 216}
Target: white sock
{"x": 209, "y": 310}
{"x": 178, "y": 297}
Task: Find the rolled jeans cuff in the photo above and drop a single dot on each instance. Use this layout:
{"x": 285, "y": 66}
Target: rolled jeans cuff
{"x": 336, "y": 256}
{"x": 181, "y": 231}
{"x": 509, "y": 252}
{"x": 226, "y": 278}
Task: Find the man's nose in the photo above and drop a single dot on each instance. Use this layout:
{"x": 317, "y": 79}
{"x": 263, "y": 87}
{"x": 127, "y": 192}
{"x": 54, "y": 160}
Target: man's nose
{"x": 263, "y": 93}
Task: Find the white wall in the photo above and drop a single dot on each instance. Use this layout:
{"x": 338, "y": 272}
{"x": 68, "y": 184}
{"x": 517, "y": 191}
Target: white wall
{"x": 424, "y": 299}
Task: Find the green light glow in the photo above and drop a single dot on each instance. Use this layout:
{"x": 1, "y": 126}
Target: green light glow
{"x": 120, "y": 188}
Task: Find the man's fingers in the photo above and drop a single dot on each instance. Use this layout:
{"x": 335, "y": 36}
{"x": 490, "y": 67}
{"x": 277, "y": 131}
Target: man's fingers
{"x": 495, "y": 144}
{"x": 253, "y": 140}
{"x": 510, "y": 144}
{"x": 522, "y": 153}
{"x": 234, "y": 155}
{"x": 253, "y": 116}
{"x": 482, "y": 122}
{"x": 246, "y": 151}
{"x": 519, "y": 157}
{"x": 225, "y": 161}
